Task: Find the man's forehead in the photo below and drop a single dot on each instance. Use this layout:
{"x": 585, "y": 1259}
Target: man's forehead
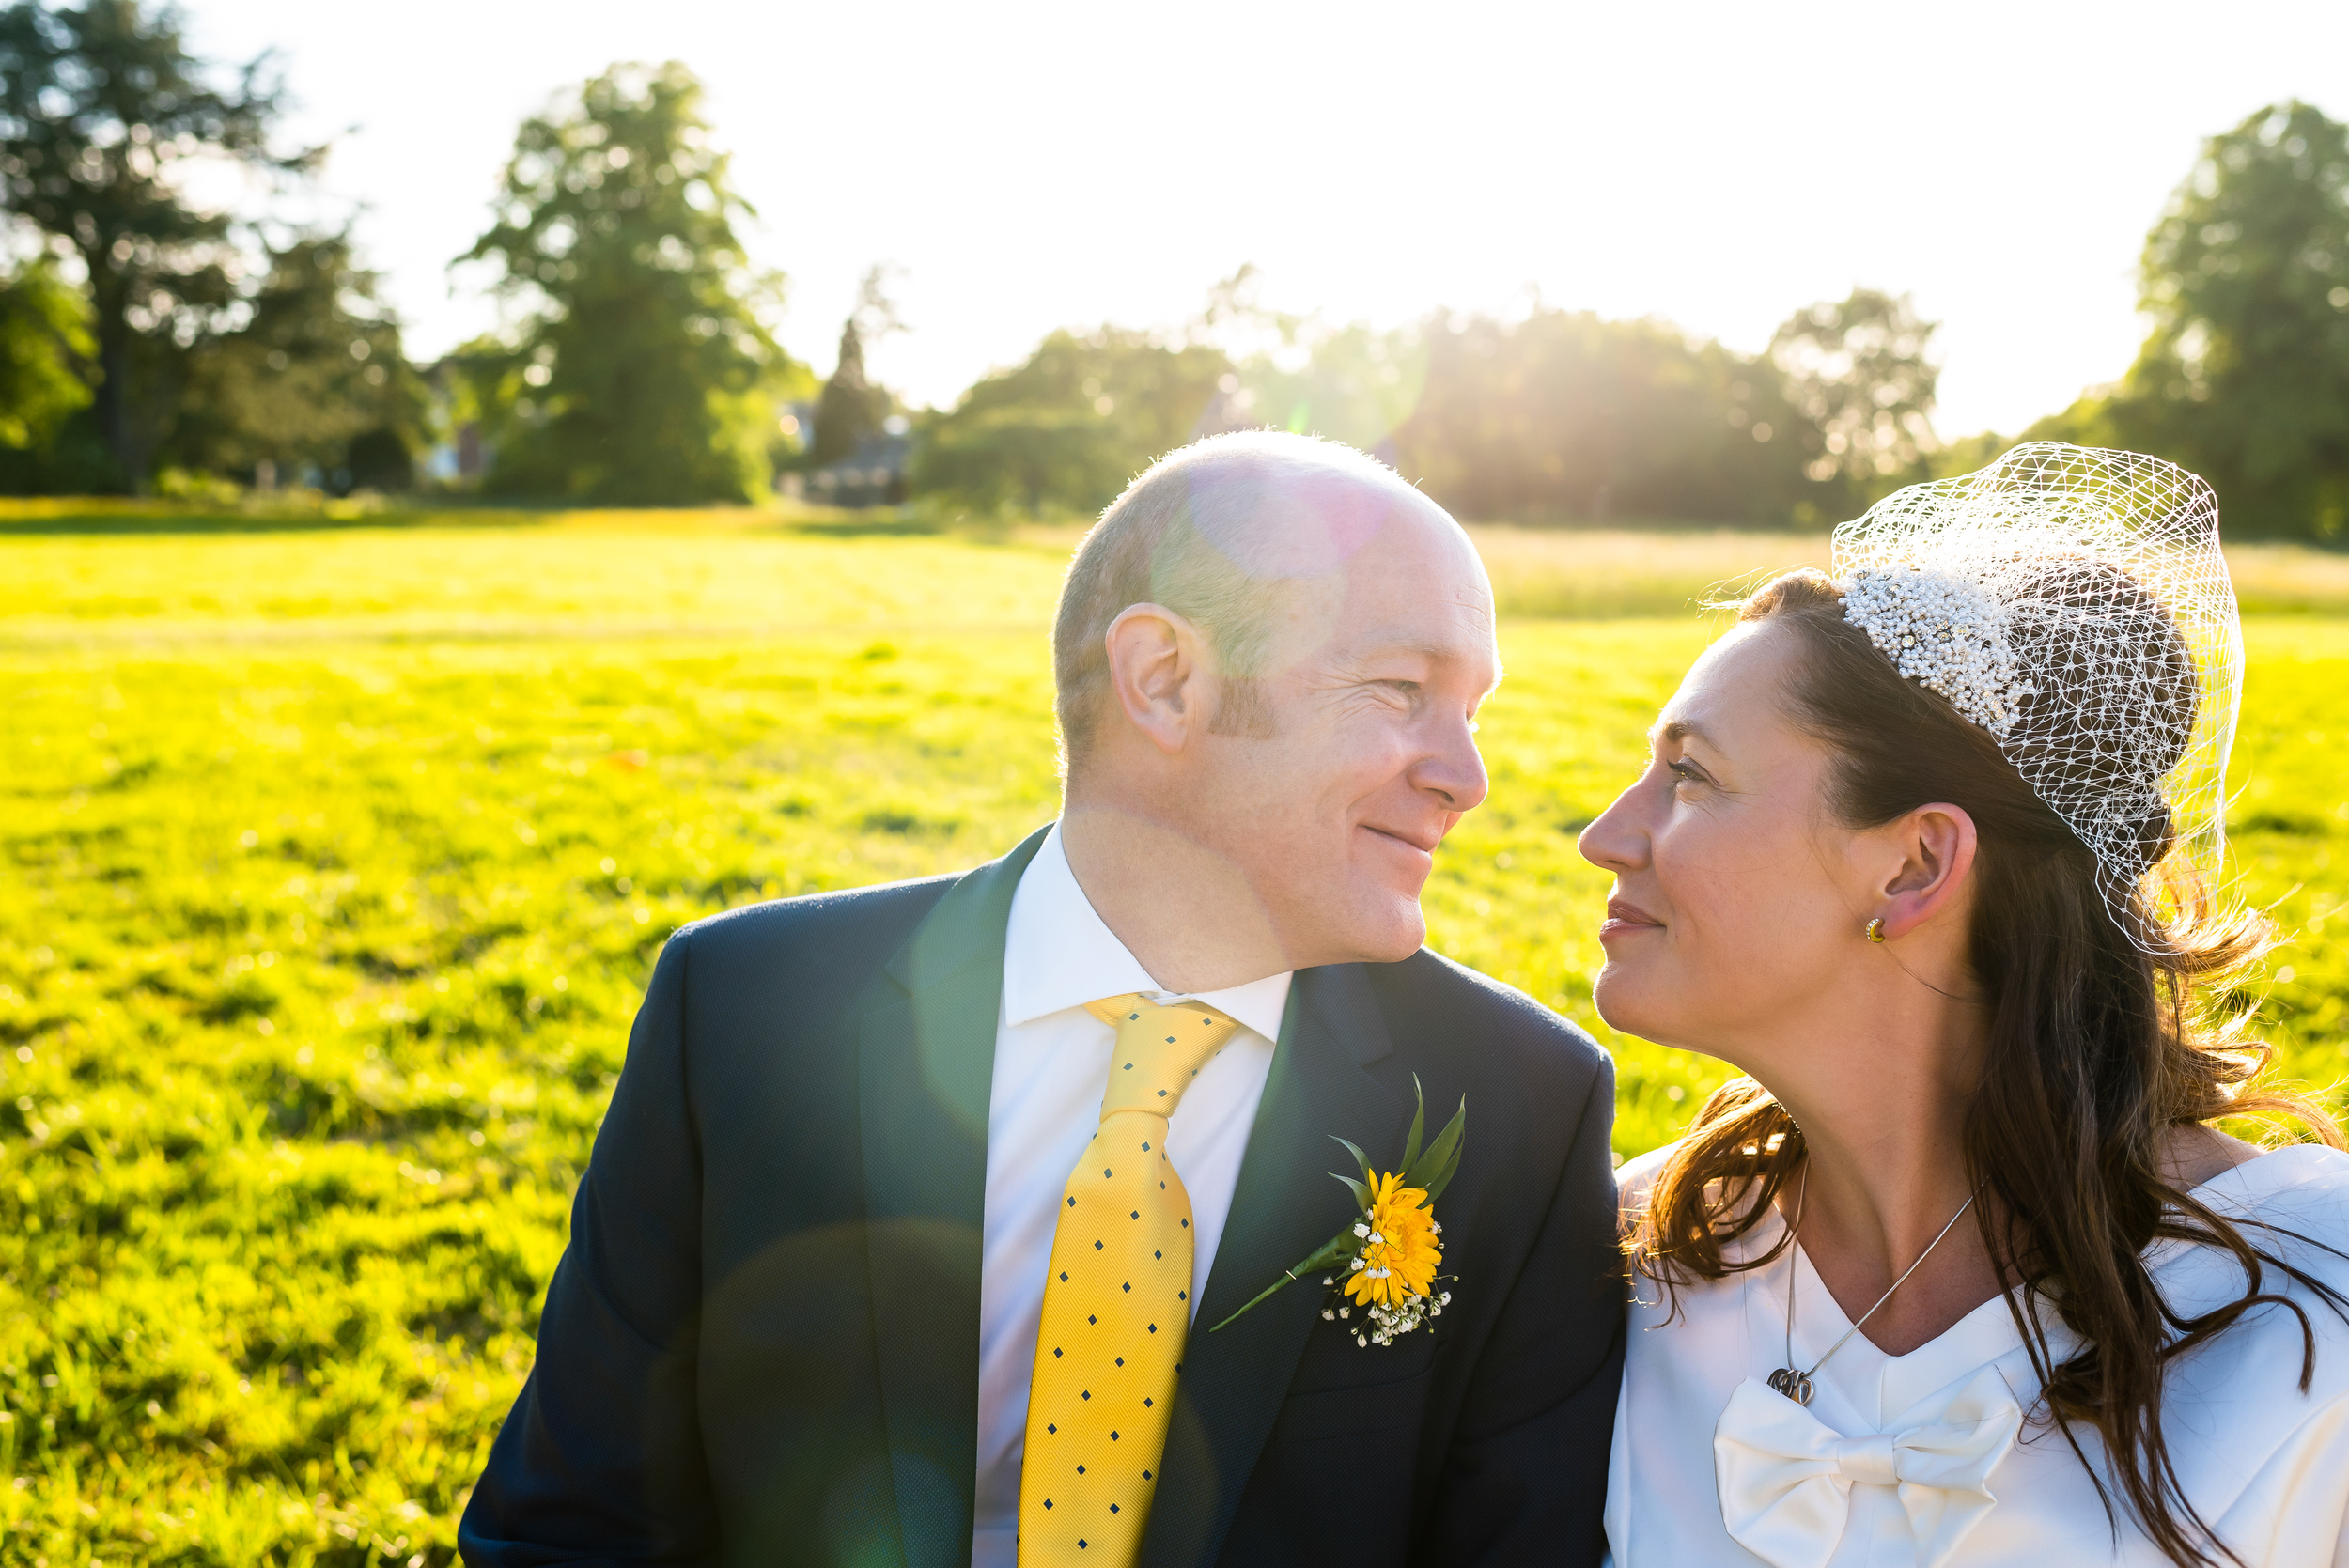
{"x": 1417, "y": 591}
{"x": 1431, "y": 641}
{"x": 1276, "y": 520}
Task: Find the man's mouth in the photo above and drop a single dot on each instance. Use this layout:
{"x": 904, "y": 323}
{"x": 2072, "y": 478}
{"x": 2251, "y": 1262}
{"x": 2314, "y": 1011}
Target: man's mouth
{"x": 1425, "y": 844}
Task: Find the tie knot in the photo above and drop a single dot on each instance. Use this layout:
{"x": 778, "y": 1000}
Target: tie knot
{"x": 1160, "y": 1048}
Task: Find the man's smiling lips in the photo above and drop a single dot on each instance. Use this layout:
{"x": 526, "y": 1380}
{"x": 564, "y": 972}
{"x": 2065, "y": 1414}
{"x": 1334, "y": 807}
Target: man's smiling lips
{"x": 1624, "y": 917}
{"x": 1424, "y": 843}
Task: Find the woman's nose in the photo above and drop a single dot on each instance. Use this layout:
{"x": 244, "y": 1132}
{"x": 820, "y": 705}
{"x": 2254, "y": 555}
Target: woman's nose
{"x": 1618, "y": 840}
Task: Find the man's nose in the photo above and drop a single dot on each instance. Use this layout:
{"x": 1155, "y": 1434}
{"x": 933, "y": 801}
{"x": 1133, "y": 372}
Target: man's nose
{"x": 1453, "y": 769}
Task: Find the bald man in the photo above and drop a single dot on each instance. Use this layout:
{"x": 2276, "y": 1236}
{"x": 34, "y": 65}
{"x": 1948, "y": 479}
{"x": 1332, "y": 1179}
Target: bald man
{"x": 913, "y": 1228}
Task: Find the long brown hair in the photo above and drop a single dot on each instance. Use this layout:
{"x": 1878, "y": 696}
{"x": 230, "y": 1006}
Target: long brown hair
{"x": 2101, "y": 1041}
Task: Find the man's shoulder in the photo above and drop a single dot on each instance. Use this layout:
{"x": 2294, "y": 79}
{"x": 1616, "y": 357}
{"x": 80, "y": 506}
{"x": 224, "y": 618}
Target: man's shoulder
{"x": 861, "y": 928}
{"x": 1429, "y": 990}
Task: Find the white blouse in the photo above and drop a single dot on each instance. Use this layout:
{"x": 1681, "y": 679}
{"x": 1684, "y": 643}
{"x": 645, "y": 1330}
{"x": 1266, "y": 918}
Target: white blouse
{"x": 1931, "y": 1459}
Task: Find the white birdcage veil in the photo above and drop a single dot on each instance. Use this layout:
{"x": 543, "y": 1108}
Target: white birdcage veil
{"x": 2072, "y": 603}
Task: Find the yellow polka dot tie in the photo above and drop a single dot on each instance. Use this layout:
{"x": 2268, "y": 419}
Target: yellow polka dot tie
{"x": 1118, "y": 1301}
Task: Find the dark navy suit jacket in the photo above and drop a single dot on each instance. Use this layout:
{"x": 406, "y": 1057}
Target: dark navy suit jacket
{"x": 762, "y": 1342}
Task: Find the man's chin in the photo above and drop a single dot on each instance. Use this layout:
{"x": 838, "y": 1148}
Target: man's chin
{"x": 1354, "y": 924}
{"x": 1392, "y": 940}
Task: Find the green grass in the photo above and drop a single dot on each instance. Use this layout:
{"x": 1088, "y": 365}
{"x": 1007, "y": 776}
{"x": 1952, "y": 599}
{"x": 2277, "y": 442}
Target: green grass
{"x": 332, "y": 862}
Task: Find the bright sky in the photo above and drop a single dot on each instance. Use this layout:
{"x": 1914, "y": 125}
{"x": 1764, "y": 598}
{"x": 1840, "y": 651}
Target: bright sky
{"x": 1034, "y": 165}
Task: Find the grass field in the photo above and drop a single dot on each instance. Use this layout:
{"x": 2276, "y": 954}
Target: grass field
{"x": 332, "y": 859}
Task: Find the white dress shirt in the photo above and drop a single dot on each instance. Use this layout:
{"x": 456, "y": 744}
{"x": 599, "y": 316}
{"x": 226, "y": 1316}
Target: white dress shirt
{"x": 1838, "y": 1486}
{"x": 1052, "y": 1068}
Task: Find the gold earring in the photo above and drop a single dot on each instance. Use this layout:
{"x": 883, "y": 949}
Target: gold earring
{"x": 1875, "y": 929}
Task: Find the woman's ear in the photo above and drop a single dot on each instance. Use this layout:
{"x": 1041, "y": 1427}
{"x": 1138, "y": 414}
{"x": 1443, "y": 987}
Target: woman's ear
{"x": 1157, "y": 674}
{"x": 1937, "y": 848}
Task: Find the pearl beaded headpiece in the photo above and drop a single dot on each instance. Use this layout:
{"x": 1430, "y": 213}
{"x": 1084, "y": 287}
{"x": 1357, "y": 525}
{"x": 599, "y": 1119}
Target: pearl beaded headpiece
{"x": 2073, "y": 603}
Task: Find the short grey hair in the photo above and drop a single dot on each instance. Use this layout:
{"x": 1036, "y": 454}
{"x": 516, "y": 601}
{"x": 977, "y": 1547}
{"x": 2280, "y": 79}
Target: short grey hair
{"x": 1200, "y": 532}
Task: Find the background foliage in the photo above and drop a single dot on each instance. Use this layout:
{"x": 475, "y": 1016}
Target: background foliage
{"x": 313, "y": 379}
{"x": 44, "y": 340}
{"x": 334, "y": 857}
{"x": 2245, "y": 377}
{"x": 147, "y": 342}
{"x": 643, "y": 370}
{"x": 101, "y": 108}
{"x": 1065, "y": 430}
{"x": 1564, "y": 416}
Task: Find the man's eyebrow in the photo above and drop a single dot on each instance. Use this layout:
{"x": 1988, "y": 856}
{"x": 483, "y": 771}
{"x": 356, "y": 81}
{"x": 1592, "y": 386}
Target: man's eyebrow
{"x": 1431, "y": 648}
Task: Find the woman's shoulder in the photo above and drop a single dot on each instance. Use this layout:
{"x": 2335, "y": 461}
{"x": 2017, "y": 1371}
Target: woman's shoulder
{"x": 1635, "y": 1179}
{"x": 2297, "y": 1178}
{"x": 2291, "y": 1203}
{"x": 1635, "y": 1187}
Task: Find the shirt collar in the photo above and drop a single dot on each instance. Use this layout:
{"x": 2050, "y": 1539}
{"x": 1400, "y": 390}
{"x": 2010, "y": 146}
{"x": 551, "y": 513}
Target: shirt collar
{"x": 1058, "y": 955}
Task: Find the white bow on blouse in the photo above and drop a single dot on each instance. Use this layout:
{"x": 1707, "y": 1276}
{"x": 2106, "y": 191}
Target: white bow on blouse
{"x": 1785, "y": 1479}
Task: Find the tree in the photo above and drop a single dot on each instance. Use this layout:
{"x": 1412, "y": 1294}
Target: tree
{"x": 1067, "y": 429}
{"x": 851, "y": 408}
{"x": 314, "y": 379}
{"x": 2245, "y": 376}
{"x": 100, "y": 110}
{"x": 641, "y": 370}
{"x": 1566, "y": 416}
{"x": 1356, "y": 385}
{"x": 45, "y": 342}
{"x": 1856, "y": 368}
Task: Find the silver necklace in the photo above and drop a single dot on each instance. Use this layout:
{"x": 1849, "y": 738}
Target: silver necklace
{"x": 1796, "y": 1385}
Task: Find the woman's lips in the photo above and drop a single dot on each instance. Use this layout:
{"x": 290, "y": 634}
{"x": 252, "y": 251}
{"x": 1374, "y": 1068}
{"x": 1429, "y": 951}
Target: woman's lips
{"x": 1624, "y": 917}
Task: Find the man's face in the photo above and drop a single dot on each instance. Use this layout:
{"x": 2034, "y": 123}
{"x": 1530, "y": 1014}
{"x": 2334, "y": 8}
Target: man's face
{"x": 1333, "y": 810}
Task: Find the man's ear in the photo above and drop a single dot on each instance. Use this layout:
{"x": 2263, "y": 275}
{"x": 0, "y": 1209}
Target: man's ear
{"x": 1936, "y": 844}
{"x": 1159, "y": 674}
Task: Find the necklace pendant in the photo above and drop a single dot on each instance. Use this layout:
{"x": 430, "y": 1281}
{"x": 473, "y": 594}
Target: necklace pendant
{"x": 1793, "y": 1384}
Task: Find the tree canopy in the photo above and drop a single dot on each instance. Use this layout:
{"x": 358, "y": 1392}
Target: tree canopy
{"x": 44, "y": 342}
{"x": 1855, "y": 369}
{"x": 100, "y": 109}
{"x": 1065, "y": 430}
{"x": 641, "y": 369}
{"x": 313, "y": 381}
{"x": 2245, "y": 376}
{"x": 1566, "y": 415}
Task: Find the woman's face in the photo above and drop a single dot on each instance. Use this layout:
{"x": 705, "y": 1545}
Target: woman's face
{"x": 1738, "y": 899}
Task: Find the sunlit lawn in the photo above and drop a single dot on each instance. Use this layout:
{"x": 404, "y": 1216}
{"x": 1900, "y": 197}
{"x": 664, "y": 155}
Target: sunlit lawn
{"x": 335, "y": 861}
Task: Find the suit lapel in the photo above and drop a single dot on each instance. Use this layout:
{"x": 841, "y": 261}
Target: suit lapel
{"x": 925, "y": 1054}
{"x": 1286, "y": 1206}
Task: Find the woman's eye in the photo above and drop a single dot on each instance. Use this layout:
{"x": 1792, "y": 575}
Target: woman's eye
{"x": 1685, "y": 773}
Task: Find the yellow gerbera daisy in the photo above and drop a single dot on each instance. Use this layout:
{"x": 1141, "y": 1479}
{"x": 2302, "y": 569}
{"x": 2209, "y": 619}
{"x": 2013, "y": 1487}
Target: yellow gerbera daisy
{"x": 1400, "y": 1254}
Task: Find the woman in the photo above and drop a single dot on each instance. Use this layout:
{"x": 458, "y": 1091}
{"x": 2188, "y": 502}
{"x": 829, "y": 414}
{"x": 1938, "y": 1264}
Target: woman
{"x": 1925, "y": 849}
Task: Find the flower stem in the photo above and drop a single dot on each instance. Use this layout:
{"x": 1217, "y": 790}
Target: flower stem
{"x": 1336, "y": 1249}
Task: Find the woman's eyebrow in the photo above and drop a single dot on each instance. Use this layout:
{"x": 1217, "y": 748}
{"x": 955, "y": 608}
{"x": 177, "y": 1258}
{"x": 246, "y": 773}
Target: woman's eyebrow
{"x": 1680, "y": 730}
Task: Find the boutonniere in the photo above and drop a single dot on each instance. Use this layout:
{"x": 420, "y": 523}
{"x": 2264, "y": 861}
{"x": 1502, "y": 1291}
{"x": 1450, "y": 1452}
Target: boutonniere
{"x": 1384, "y": 1260}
